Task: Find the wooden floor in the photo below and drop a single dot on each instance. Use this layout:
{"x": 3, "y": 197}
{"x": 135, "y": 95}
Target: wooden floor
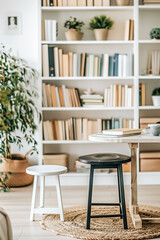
{"x": 17, "y": 205}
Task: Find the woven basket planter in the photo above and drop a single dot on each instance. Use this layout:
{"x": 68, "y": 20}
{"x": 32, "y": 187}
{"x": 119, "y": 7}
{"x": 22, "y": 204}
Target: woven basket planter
{"x": 17, "y": 166}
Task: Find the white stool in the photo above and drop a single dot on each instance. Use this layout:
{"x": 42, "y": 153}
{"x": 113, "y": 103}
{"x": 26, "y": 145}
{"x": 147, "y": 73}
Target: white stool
{"x": 43, "y": 171}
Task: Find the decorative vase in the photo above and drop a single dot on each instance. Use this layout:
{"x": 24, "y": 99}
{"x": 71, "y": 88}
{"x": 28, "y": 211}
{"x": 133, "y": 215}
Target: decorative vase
{"x": 17, "y": 165}
{"x": 101, "y": 34}
{"x": 73, "y": 35}
{"x": 156, "y": 100}
{"x": 122, "y": 2}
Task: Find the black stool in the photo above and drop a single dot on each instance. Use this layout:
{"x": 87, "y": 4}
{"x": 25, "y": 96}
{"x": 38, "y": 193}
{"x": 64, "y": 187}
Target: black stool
{"x": 101, "y": 161}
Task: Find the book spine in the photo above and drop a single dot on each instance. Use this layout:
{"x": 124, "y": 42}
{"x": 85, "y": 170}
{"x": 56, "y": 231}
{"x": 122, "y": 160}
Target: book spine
{"x": 81, "y": 3}
{"x": 89, "y": 3}
{"x": 51, "y": 61}
{"x": 98, "y": 3}
{"x": 106, "y": 3}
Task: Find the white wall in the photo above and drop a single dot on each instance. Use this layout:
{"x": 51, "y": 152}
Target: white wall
{"x": 24, "y": 44}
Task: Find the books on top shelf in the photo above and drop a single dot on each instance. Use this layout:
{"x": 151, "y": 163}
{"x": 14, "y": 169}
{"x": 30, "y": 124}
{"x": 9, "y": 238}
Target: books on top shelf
{"x": 74, "y": 3}
{"x": 122, "y": 132}
{"x": 150, "y": 2}
{"x": 129, "y": 30}
{"x": 80, "y": 128}
{"x": 119, "y": 96}
{"x": 83, "y": 64}
{"x": 60, "y": 96}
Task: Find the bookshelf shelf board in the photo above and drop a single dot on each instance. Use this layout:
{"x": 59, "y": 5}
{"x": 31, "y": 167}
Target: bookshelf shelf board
{"x": 149, "y": 7}
{"x": 149, "y": 41}
{"x": 67, "y": 142}
{"x": 89, "y": 42}
{"x": 149, "y": 107}
{"x": 44, "y": 109}
{"x": 109, "y": 8}
{"x": 86, "y": 78}
{"x": 149, "y": 77}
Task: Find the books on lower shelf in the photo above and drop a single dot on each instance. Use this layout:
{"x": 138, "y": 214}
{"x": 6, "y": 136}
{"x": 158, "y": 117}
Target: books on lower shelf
{"x": 84, "y": 64}
{"x": 149, "y": 161}
{"x": 144, "y": 121}
{"x": 56, "y": 159}
{"x": 60, "y": 96}
{"x": 75, "y": 3}
{"x": 119, "y": 96}
{"x": 122, "y": 132}
{"x": 80, "y": 128}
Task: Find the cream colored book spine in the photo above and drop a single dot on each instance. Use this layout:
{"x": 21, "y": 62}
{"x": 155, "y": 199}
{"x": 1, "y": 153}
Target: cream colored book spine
{"x": 81, "y": 3}
{"x": 89, "y": 3}
{"x": 106, "y": 3}
{"x": 72, "y": 3}
{"x": 97, "y": 3}
{"x": 65, "y": 3}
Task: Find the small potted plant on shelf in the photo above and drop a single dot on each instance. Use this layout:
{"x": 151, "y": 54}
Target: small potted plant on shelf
{"x": 17, "y": 118}
{"x": 156, "y": 97}
{"x": 100, "y": 26}
{"x": 74, "y": 29}
{"x": 122, "y": 2}
{"x": 155, "y": 34}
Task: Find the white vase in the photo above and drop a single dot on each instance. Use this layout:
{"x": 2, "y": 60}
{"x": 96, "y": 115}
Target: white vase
{"x": 156, "y": 100}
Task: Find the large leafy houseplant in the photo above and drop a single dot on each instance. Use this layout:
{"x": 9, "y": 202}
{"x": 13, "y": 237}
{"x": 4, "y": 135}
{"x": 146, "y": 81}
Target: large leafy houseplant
{"x": 17, "y": 106}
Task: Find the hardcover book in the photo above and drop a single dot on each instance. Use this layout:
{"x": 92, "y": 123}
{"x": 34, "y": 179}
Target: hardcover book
{"x": 122, "y": 131}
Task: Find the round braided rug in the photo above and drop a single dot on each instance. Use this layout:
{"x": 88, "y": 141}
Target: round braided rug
{"x": 101, "y": 228}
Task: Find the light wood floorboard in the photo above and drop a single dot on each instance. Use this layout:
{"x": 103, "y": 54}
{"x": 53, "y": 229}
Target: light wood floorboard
{"x": 17, "y": 205}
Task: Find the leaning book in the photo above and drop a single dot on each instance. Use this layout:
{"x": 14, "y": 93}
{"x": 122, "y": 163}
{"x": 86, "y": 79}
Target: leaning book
{"x": 121, "y": 131}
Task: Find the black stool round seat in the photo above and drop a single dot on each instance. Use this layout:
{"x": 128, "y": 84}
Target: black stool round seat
{"x": 104, "y": 158}
{"x": 102, "y": 161}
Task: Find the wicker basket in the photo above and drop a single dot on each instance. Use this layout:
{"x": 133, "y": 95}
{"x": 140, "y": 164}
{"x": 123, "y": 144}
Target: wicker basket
{"x": 17, "y": 166}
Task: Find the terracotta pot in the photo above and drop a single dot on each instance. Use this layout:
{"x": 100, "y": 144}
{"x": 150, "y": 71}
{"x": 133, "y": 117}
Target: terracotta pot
{"x": 73, "y": 35}
{"x": 17, "y": 166}
{"x": 100, "y": 34}
{"x": 122, "y": 2}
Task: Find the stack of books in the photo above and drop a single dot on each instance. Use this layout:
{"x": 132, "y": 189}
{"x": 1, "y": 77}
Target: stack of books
{"x": 56, "y": 63}
{"x": 56, "y": 159}
{"x": 92, "y": 100}
{"x": 150, "y": 2}
{"x": 144, "y": 121}
{"x": 121, "y": 132}
{"x": 150, "y": 161}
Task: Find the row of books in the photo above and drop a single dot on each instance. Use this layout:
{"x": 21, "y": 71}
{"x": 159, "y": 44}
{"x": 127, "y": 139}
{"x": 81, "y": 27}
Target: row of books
{"x": 144, "y": 121}
{"x": 119, "y": 96}
{"x": 153, "y": 66}
{"x": 49, "y": 30}
{"x": 53, "y": 96}
{"x": 75, "y": 3}
{"x": 55, "y": 63}
{"x": 150, "y": 2}
{"x": 129, "y": 30}
{"x": 142, "y": 94}
{"x": 92, "y": 100}
{"x": 80, "y": 128}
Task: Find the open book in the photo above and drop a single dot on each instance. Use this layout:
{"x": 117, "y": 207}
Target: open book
{"x": 122, "y": 132}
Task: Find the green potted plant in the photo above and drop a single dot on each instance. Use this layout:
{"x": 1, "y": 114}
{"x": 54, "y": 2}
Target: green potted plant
{"x": 100, "y": 26}
{"x": 17, "y": 117}
{"x": 156, "y": 97}
{"x": 155, "y": 33}
{"x": 74, "y": 29}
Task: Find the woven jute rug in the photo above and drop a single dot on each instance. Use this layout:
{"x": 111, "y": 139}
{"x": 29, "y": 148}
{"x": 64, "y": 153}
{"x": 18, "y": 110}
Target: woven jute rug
{"x": 101, "y": 228}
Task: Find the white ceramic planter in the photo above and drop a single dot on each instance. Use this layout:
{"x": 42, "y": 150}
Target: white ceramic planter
{"x": 122, "y": 2}
{"x": 156, "y": 100}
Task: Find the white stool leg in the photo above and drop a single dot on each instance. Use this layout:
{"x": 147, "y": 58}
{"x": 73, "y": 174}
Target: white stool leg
{"x": 33, "y": 198}
{"x": 42, "y": 190}
{"x": 60, "y": 204}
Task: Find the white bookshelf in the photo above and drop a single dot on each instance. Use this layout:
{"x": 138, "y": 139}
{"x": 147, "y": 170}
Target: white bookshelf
{"x": 115, "y": 43}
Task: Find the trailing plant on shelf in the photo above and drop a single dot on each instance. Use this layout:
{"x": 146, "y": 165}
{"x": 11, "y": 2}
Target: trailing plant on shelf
{"x": 17, "y": 109}
{"x": 100, "y": 25}
{"x": 156, "y": 97}
{"x": 74, "y": 29}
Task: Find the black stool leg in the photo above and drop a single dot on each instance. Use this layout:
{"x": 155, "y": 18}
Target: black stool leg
{"x": 120, "y": 173}
{"x": 90, "y": 196}
{"x": 119, "y": 192}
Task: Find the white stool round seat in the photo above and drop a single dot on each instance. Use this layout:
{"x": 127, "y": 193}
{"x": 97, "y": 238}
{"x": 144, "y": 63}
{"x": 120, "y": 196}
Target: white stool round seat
{"x": 42, "y": 171}
{"x": 46, "y": 170}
